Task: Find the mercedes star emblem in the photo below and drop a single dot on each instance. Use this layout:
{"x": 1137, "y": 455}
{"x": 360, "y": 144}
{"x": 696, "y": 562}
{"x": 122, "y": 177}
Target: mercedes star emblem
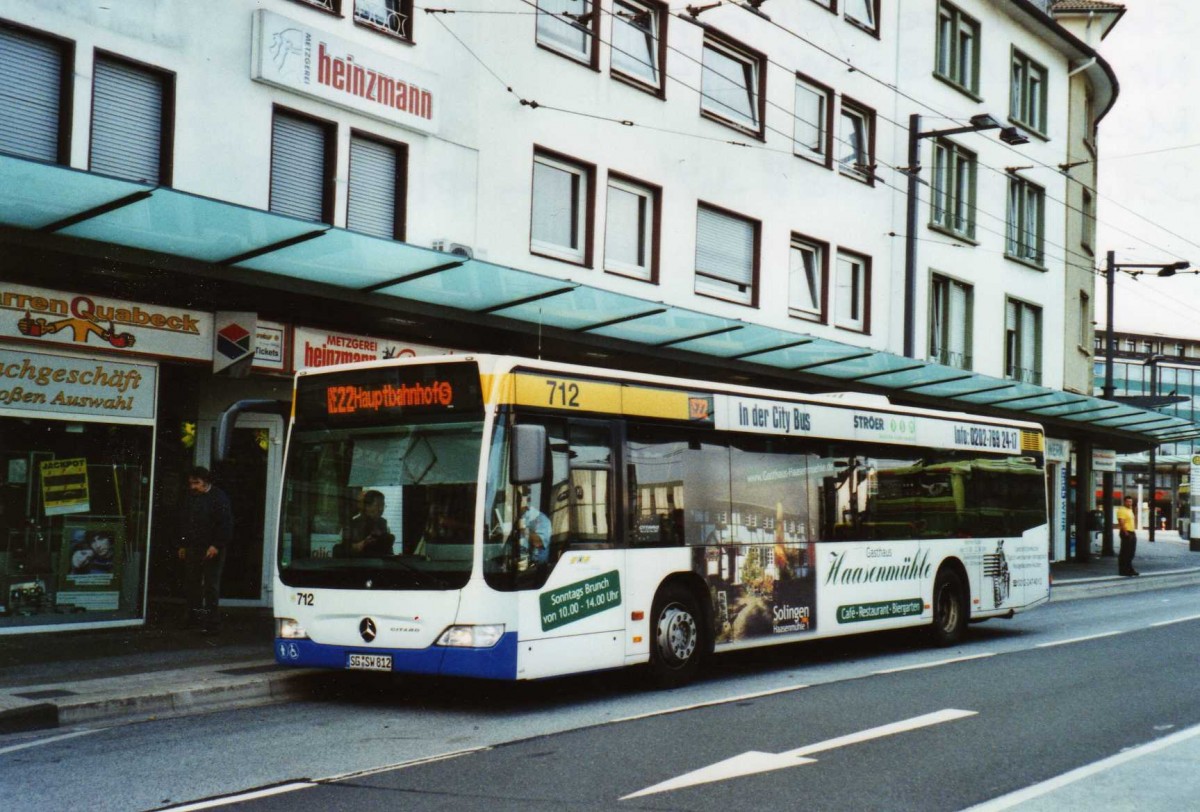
{"x": 367, "y": 629}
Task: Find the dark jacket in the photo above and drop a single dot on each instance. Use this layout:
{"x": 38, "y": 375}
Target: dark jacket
{"x": 206, "y": 520}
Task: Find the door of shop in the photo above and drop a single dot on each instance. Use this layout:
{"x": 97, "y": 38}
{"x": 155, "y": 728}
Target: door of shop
{"x": 251, "y": 478}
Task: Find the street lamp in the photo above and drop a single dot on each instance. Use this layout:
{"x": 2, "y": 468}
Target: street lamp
{"x": 1110, "y": 272}
{"x": 980, "y": 122}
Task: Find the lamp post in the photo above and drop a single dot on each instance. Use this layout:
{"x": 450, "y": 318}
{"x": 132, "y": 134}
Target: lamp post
{"x": 1009, "y": 135}
{"x": 1110, "y": 272}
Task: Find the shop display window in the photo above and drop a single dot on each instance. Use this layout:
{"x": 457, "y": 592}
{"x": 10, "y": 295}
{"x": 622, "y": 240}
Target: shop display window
{"x": 74, "y": 502}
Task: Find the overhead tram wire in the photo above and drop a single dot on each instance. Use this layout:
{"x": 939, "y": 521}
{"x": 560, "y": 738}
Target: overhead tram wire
{"x": 844, "y": 62}
{"x": 895, "y": 88}
{"x": 533, "y": 104}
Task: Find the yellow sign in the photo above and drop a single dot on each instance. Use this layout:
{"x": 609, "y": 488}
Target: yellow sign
{"x": 582, "y": 395}
{"x": 65, "y": 486}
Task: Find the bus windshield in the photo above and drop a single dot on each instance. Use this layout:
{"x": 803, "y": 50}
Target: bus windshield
{"x": 380, "y": 483}
{"x": 392, "y": 506}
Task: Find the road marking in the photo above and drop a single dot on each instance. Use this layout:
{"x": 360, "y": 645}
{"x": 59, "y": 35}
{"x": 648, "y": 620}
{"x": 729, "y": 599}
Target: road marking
{"x": 416, "y": 762}
{"x": 1176, "y": 620}
{"x": 50, "y": 740}
{"x": 1078, "y": 639}
{"x": 936, "y": 664}
{"x": 1086, "y": 771}
{"x": 709, "y": 704}
{"x": 755, "y": 762}
{"x": 245, "y": 796}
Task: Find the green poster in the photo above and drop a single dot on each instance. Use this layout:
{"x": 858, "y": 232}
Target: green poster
{"x": 581, "y": 599}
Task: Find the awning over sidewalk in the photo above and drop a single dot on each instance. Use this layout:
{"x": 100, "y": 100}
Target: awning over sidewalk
{"x": 71, "y": 203}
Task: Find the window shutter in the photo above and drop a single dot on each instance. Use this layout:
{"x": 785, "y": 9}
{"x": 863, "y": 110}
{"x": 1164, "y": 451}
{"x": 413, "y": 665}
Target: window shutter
{"x": 127, "y": 121}
{"x": 31, "y": 71}
{"x": 374, "y": 169}
{"x": 298, "y": 168}
{"x": 725, "y": 248}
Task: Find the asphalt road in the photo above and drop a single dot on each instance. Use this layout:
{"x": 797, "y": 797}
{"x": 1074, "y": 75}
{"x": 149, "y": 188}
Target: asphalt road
{"x": 886, "y": 722}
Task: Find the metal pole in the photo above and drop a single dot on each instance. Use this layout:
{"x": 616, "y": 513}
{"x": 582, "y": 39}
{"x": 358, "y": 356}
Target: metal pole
{"x": 1110, "y": 270}
{"x": 1083, "y": 500}
{"x": 1153, "y": 517}
{"x": 910, "y": 237}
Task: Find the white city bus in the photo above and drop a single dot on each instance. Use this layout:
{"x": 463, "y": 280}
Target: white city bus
{"x": 506, "y": 518}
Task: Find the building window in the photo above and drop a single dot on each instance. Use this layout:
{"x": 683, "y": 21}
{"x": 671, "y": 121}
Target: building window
{"x": 332, "y": 6}
{"x": 1027, "y": 98}
{"x": 1086, "y": 332}
{"x": 806, "y": 279}
{"x": 953, "y": 189}
{"x": 1180, "y": 350}
{"x": 1088, "y": 211}
{"x": 638, "y": 37}
{"x": 1131, "y": 345}
{"x": 731, "y": 86}
{"x": 863, "y": 13}
{"x": 950, "y": 304}
{"x": 302, "y": 161}
{"x": 393, "y": 17}
{"x": 36, "y": 108}
{"x": 856, "y": 153}
{"x": 726, "y": 255}
{"x": 375, "y": 197}
{"x": 131, "y": 121}
{"x": 568, "y": 27}
{"x": 562, "y": 190}
{"x": 957, "y": 48}
{"x": 812, "y": 131}
{"x": 630, "y": 229}
{"x": 853, "y": 294}
{"x": 1026, "y": 220}
{"x": 1023, "y": 342}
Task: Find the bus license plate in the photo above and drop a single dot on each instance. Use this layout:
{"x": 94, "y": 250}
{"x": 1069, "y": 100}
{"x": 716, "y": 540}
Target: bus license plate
{"x": 370, "y": 662}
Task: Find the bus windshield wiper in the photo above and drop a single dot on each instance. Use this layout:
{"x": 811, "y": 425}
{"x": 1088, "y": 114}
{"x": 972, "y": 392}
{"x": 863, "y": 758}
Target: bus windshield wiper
{"x": 428, "y": 577}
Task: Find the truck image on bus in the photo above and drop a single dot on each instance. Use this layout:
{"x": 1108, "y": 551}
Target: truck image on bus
{"x": 506, "y": 518}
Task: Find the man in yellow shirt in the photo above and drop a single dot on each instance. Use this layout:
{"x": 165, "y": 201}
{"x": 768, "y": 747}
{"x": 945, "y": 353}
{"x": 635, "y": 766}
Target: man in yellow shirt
{"x": 1125, "y": 528}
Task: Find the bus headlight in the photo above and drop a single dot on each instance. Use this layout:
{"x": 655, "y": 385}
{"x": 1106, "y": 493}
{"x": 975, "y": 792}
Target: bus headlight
{"x": 472, "y": 636}
{"x": 290, "y": 629}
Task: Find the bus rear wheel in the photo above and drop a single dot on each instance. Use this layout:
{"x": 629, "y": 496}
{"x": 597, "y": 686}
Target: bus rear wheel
{"x": 949, "y": 608}
{"x": 677, "y": 643}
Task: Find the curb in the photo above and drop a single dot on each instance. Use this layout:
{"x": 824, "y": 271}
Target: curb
{"x": 203, "y": 694}
{"x": 1101, "y": 586}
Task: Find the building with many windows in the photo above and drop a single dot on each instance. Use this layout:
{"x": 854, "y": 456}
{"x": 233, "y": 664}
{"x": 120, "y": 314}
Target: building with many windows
{"x": 197, "y": 201}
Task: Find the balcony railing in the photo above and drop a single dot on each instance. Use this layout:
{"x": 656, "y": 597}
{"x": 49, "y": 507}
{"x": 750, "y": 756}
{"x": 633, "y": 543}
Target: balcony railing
{"x": 950, "y": 358}
{"x": 382, "y": 18}
{"x": 1023, "y": 375}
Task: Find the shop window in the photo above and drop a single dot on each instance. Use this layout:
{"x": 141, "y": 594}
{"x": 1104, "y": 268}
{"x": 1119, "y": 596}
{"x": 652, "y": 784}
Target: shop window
{"x": 132, "y": 112}
{"x": 375, "y": 197}
{"x": 302, "y": 167}
{"x": 36, "y": 109}
{"x": 74, "y": 513}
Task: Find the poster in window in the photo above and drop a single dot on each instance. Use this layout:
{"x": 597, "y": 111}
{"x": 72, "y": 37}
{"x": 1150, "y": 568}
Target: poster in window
{"x": 90, "y": 563}
{"x": 65, "y": 486}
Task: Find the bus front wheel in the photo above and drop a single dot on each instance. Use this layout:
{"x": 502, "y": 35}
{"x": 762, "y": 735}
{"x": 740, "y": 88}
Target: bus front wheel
{"x": 949, "y": 608}
{"x": 677, "y": 643}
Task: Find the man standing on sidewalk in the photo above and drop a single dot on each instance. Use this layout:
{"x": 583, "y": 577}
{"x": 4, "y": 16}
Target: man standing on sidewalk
{"x": 205, "y": 529}
{"x": 1125, "y": 529}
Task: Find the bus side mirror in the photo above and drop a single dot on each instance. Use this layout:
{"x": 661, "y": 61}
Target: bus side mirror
{"x": 528, "y": 461}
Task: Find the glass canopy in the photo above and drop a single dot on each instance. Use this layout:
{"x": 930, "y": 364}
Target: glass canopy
{"x": 82, "y": 205}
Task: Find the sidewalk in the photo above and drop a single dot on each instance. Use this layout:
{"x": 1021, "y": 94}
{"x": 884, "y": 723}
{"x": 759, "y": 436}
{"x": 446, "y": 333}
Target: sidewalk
{"x": 117, "y": 676}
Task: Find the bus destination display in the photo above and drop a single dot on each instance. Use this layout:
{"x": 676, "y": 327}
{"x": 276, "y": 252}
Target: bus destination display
{"x": 374, "y": 395}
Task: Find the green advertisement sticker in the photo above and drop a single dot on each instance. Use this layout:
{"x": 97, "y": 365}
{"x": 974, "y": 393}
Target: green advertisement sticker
{"x": 581, "y": 599}
{"x": 884, "y": 610}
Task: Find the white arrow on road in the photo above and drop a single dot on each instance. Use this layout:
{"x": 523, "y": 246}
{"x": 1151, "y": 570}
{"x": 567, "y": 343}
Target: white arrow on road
{"x": 756, "y": 762}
